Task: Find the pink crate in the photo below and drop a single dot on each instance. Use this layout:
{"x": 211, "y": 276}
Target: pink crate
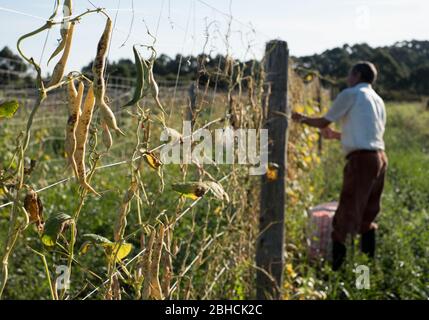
{"x": 319, "y": 231}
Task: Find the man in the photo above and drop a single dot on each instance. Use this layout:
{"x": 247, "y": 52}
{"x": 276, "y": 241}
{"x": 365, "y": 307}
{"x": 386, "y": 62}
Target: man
{"x": 362, "y": 116}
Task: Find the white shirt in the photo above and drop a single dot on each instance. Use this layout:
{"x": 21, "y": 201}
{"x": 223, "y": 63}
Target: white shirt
{"x": 362, "y": 116}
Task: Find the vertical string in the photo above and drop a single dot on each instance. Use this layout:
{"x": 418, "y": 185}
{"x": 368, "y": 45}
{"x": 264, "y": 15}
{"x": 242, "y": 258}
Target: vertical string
{"x": 159, "y": 18}
{"x": 46, "y": 40}
{"x": 130, "y": 30}
{"x": 111, "y": 37}
{"x": 180, "y": 61}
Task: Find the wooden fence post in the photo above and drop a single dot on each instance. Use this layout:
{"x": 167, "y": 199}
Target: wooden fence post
{"x": 270, "y": 243}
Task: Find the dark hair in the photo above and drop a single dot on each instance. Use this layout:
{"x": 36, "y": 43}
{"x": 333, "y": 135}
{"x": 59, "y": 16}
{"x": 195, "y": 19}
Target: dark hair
{"x": 367, "y": 71}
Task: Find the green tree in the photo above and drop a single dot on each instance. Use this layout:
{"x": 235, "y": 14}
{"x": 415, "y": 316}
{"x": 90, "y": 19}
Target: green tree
{"x": 12, "y": 67}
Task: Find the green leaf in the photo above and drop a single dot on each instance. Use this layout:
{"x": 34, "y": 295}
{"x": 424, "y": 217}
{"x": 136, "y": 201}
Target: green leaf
{"x": 93, "y": 239}
{"x": 61, "y": 45}
{"x": 96, "y": 239}
{"x": 8, "y": 108}
{"x": 54, "y": 226}
{"x": 140, "y": 80}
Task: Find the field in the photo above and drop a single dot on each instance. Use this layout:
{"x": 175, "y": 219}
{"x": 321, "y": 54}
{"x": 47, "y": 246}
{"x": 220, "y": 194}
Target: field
{"x": 91, "y": 208}
{"x": 399, "y": 272}
{"x": 205, "y": 231}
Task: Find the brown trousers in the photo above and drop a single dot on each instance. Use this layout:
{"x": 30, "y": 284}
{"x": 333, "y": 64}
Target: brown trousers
{"x": 360, "y": 198}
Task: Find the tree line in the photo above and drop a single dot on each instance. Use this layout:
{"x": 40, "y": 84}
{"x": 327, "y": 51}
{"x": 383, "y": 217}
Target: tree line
{"x": 403, "y": 67}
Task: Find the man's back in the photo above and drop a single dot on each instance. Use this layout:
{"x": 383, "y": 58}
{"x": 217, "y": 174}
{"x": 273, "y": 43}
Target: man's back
{"x": 362, "y": 115}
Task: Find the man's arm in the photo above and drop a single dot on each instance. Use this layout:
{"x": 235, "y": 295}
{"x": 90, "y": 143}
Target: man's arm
{"x": 340, "y": 107}
{"x": 320, "y": 123}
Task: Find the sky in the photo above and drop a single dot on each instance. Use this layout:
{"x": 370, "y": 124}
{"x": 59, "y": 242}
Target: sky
{"x": 191, "y": 26}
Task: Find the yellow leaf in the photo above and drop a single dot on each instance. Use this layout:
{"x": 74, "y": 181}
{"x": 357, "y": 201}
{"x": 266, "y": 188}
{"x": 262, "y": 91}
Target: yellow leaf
{"x": 308, "y": 159}
{"x": 290, "y": 192}
{"x": 290, "y": 271}
{"x": 85, "y": 247}
{"x": 190, "y": 196}
{"x": 8, "y": 108}
{"x": 308, "y": 77}
{"x": 152, "y": 160}
{"x": 218, "y": 211}
{"x": 313, "y": 137}
{"x": 48, "y": 240}
{"x": 272, "y": 172}
{"x": 192, "y": 190}
{"x": 118, "y": 250}
{"x": 299, "y": 109}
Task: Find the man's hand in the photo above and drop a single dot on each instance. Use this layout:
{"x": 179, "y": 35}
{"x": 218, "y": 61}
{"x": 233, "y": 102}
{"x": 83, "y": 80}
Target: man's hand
{"x": 328, "y": 133}
{"x": 298, "y": 117}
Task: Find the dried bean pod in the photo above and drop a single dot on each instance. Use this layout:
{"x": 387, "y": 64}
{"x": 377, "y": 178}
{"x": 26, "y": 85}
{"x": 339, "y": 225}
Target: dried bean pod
{"x": 121, "y": 223}
{"x": 99, "y": 84}
{"x": 100, "y": 61}
{"x": 167, "y": 263}
{"x": 34, "y": 207}
{"x": 109, "y": 117}
{"x": 75, "y": 100}
{"x": 106, "y": 136}
{"x": 154, "y": 89}
{"x": 146, "y": 263}
{"x": 58, "y": 72}
{"x": 155, "y": 285}
{"x": 81, "y": 137}
{"x": 67, "y": 10}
